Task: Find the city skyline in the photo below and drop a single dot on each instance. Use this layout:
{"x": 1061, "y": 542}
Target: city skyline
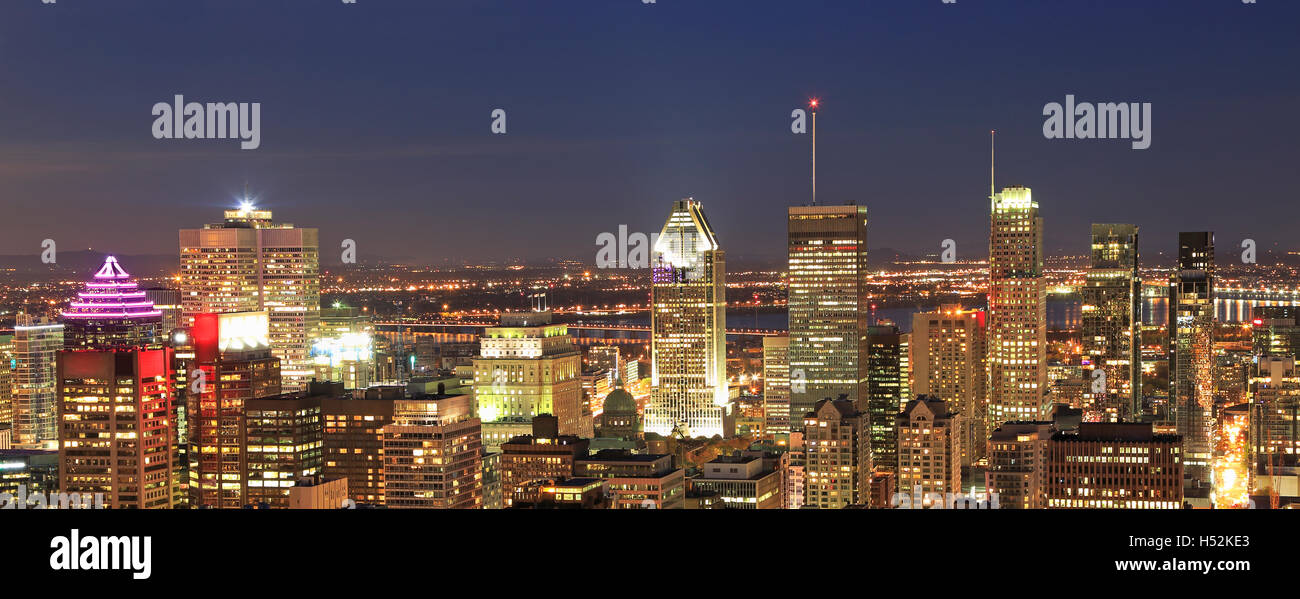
{"x": 611, "y": 149}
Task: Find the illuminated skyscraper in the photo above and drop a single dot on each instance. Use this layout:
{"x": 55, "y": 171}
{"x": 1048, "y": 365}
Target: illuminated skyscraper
{"x": 1191, "y": 351}
{"x": 776, "y": 384}
{"x": 948, "y": 362}
{"x": 234, "y": 356}
{"x": 117, "y": 432}
{"x": 250, "y": 263}
{"x": 37, "y": 342}
{"x": 1112, "y": 325}
{"x": 7, "y": 382}
{"x": 529, "y": 366}
{"x": 1017, "y": 330}
{"x": 688, "y": 323}
{"x": 827, "y": 305}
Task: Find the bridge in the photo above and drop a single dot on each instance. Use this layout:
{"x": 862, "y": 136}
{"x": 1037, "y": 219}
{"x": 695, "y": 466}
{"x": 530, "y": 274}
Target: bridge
{"x": 584, "y": 334}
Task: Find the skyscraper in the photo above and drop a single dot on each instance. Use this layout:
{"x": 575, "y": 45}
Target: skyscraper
{"x": 948, "y": 362}
{"x": 884, "y": 392}
{"x": 234, "y": 358}
{"x": 1112, "y": 325}
{"x": 37, "y": 342}
{"x": 1191, "y": 350}
{"x": 433, "y": 454}
{"x": 776, "y": 384}
{"x": 688, "y": 323}
{"x": 117, "y": 432}
{"x": 250, "y": 263}
{"x": 1017, "y": 331}
{"x": 827, "y": 305}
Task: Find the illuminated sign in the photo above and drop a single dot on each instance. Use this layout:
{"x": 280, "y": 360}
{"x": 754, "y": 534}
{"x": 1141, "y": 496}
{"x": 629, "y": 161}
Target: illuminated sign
{"x": 242, "y": 331}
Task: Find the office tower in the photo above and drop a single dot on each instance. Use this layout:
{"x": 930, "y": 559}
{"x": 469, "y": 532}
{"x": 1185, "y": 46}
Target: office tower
{"x": 1112, "y": 325}
{"x": 837, "y": 473}
{"x": 827, "y": 305}
{"x": 283, "y": 447}
{"x": 929, "y": 449}
{"x": 232, "y": 353}
{"x": 354, "y": 438}
{"x": 344, "y": 348}
{"x": 7, "y": 363}
{"x": 1114, "y": 465}
{"x": 433, "y": 454}
{"x": 529, "y": 366}
{"x": 167, "y": 301}
{"x": 1017, "y": 461}
{"x": 1017, "y": 320}
{"x": 742, "y": 482}
{"x": 776, "y": 384}
{"x": 884, "y": 391}
{"x": 603, "y": 357}
{"x": 688, "y": 325}
{"x": 796, "y": 474}
{"x": 949, "y": 349}
{"x": 249, "y": 263}
{"x": 1275, "y": 407}
{"x": 635, "y": 481}
{"x": 905, "y": 368}
{"x": 116, "y": 435}
{"x": 1191, "y": 351}
{"x": 543, "y": 455}
{"x": 37, "y": 342}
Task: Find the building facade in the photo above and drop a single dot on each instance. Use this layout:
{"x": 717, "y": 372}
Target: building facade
{"x": 1017, "y": 320}
{"x": 827, "y": 304}
{"x": 688, "y": 324}
{"x": 1112, "y": 325}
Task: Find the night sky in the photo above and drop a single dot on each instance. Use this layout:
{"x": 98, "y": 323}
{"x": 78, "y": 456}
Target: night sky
{"x": 376, "y": 116}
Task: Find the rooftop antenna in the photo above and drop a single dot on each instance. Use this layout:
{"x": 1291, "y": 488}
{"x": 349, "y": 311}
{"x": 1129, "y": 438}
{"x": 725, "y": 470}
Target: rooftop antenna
{"x": 812, "y": 104}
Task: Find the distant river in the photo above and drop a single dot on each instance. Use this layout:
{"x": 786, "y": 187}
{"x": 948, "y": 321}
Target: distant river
{"x": 1061, "y": 314}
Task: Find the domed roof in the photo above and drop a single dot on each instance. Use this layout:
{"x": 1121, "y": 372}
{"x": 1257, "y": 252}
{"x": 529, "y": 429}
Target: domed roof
{"x": 619, "y": 401}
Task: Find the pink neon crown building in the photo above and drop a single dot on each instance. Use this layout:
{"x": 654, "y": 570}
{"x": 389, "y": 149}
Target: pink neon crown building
{"x": 112, "y": 312}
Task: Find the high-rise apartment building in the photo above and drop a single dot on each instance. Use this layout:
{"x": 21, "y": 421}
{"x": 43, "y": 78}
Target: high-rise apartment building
{"x": 526, "y": 367}
{"x": 1112, "y": 326}
{"x": 1114, "y": 465}
{"x": 1017, "y": 321}
{"x": 232, "y": 355}
{"x": 433, "y": 454}
{"x": 250, "y": 263}
{"x": 37, "y": 342}
{"x": 776, "y": 384}
{"x": 827, "y": 305}
{"x": 837, "y": 469}
{"x": 929, "y": 449}
{"x": 116, "y": 422}
{"x": 949, "y": 349}
{"x": 688, "y": 325}
{"x": 1191, "y": 351}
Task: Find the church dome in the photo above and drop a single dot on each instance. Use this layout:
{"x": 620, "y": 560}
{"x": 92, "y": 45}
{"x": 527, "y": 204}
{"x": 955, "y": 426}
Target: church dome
{"x": 620, "y": 402}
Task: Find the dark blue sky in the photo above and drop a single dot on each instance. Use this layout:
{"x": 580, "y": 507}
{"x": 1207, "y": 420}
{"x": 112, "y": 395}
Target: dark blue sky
{"x": 375, "y": 119}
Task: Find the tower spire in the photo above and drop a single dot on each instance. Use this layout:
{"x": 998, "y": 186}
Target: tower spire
{"x": 812, "y": 104}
